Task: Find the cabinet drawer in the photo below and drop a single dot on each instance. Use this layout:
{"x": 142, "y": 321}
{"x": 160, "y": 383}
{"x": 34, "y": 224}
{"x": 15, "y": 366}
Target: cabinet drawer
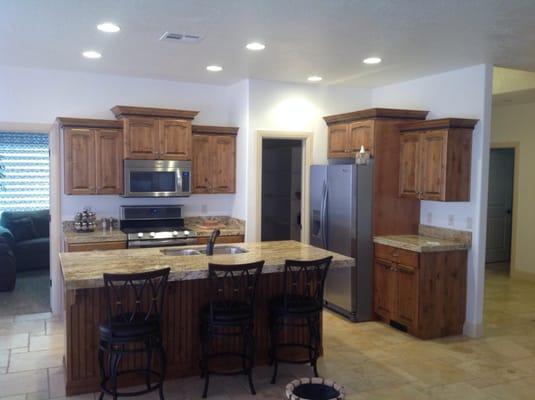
{"x": 401, "y": 256}
{"x": 96, "y": 246}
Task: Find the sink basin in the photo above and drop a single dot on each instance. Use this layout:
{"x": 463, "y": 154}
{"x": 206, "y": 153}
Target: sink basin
{"x": 181, "y": 252}
{"x": 227, "y": 250}
{"x": 197, "y": 252}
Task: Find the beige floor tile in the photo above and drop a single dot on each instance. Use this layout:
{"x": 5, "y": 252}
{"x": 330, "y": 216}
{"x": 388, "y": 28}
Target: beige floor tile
{"x": 32, "y": 326}
{"x": 54, "y": 327}
{"x": 35, "y": 360}
{"x": 47, "y": 342}
{"x": 33, "y": 317}
{"x": 4, "y": 358}
{"x": 18, "y": 350}
{"x": 56, "y": 382}
{"x": 24, "y": 382}
{"x": 13, "y": 340}
{"x": 15, "y": 397}
{"x": 38, "y": 396}
{"x": 522, "y": 389}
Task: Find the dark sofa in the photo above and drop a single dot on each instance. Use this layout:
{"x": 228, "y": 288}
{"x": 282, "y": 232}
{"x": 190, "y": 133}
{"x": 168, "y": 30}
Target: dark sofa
{"x": 27, "y": 234}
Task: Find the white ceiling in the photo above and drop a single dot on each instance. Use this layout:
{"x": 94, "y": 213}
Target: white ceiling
{"x": 303, "y": 37}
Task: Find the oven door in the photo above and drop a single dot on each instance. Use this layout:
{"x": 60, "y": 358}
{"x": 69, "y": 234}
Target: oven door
{"x": 157, "y": 178}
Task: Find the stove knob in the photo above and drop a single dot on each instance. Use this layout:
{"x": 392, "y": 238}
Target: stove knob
{"x": 186, "y": 233}
{"x": 140, "y": 235}
{"x": 175, "y": 233}
{"x": 152, "y": 234}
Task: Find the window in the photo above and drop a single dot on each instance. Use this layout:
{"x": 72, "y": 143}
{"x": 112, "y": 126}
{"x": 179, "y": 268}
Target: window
{"x": 25, "y": 185}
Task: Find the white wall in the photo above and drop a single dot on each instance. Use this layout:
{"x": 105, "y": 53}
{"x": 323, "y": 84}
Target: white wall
{"x": 464, "y": 93}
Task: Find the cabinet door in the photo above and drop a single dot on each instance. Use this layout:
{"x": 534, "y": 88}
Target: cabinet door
{"x": 409, "y": 164}
{"x": 407, "y": 295}
{"x": 201, "y": 164}
{"x": 360, "y": 134}
{"x": 109, "y": 161}
{"x": 384, "y": 288}
{"x": 79, "y": 148}
{"x": 223, "y": 164}
{"x": 175, "y": 139}
{"x": 141, "y": 139}
{"x": 434, "y": 150}
{"x": 338, "y": 135}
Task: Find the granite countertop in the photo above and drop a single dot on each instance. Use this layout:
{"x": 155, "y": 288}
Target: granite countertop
{"x": 421, "y": 243}
{"x": 84, "y": 269}
{"x": 72, "y": 237}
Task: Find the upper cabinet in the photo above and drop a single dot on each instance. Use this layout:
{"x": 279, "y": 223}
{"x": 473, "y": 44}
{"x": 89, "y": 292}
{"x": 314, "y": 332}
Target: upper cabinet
{"x": 435, "y": 159}
{"x": 214, "y": 159}
{"x": 156, "y": 133}
{"x": 348, "y": 132}
{"x": 93, "y": 158}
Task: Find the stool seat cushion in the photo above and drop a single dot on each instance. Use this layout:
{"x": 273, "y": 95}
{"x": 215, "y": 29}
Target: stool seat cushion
{"x": 295, "y": 304}
{"x": 227, "y": 312}
{"x": 138, "y": 328}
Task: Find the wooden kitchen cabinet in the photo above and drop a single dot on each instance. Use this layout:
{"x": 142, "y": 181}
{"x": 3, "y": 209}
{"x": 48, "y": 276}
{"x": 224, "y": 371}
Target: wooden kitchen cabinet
{"x": 435, "y": 159}
{"x": 214, "y": 159}
{"x": 95, "y": 246}
{"x": 423, "y": 293}
{"x": 156, "y": 133}
{"x": 93, "y": 162}
{"x": 223, "y": 239}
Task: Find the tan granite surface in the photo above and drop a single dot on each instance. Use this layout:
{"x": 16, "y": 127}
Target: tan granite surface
{"x": 85, "y": 269}
{"x": 205, "y": 225}
{"x": 94, "y": 237}
{"x": 420, "y": 243}
{"x": 445, "y": 233}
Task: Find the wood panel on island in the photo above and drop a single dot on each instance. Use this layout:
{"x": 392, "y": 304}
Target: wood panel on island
{"x": 214, "y": 159}
{"x": 93, "y": 160}
{"x": 376, "y": 129}
{"x": 156, "y": 133}
{"x": 435, "y": 159}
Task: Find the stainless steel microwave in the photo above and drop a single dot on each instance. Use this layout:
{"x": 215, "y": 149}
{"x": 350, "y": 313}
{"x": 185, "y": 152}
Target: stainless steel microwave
{"x": 157, "y": 178}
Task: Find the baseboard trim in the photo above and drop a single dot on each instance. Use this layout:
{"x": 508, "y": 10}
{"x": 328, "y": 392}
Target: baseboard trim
{"x": 473, "y": 330}
{"x": 523, "y": 275}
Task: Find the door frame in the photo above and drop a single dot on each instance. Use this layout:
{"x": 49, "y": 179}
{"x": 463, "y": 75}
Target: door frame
{"x": 306, "y": 147}
{"x": 515, "y": 146}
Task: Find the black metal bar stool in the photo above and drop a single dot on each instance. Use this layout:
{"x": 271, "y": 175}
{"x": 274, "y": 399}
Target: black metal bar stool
{"x": 230, "y": 313}
{"x": 133, "y": 325}
{"x": 300, "y": 306}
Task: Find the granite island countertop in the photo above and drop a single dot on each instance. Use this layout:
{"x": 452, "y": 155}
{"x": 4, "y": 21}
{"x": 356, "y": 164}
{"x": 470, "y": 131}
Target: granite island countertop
{"x": 421, "y": 243}
{"x": 83, "y": 270}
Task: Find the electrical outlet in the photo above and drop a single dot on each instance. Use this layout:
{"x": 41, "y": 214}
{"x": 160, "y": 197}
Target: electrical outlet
{"x": 204, "y": 208}
{"x": 451, "y": 220}
{"x": 469, "y": 223}
{"x": 429, "y": 218}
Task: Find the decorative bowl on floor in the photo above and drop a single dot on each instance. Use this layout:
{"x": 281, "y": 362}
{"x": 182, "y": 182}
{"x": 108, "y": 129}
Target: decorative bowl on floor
{"x": 314, "y": 389}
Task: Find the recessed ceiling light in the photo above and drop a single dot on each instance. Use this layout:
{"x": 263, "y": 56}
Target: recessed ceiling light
{"x": 108, "y": 27}
{"x": 214, "y": 68}
{"x": 314, "y": 78}
{"x": 91, "y": 54}
{"x": 372, "y": 60}
{"x": 255, "y": 46}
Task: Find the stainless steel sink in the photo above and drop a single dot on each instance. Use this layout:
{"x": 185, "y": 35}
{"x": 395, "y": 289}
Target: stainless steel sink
{"x": 181, "y": 252}
{"x": 218, "y": 250}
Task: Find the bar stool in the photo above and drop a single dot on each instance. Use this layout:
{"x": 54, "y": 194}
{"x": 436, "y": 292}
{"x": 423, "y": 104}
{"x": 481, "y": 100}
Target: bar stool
{"x": 133, "y": 325}
{"x": 299, "y": 306}
{"x": 230, "y": 313}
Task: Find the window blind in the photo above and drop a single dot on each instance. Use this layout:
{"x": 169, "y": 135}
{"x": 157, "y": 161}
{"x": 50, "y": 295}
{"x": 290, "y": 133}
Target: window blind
{"x": 25, "y": 185}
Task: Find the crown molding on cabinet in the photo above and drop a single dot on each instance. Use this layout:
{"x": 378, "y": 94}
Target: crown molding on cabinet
{"x": 214, "y": 130}
{"x": 132, "y": 111}
{"x": 373, "y": 113}
{"x": 89, "y": 123}
{"x": 442, "y": 123}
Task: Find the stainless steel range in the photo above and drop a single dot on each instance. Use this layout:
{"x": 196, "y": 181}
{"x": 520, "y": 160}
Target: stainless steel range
{"x": 155, "y": 226}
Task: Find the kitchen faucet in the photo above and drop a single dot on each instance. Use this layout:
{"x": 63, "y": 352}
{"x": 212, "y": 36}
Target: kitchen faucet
{"x": 211, "y": 242}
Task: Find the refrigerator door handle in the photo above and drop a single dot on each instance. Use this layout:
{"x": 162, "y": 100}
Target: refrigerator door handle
{"x": 324, "y": 216}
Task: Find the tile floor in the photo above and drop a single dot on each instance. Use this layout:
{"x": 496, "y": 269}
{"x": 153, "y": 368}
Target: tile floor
{"x": 371, "y": 360}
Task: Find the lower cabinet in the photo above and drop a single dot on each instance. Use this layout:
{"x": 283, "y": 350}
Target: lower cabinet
{"x": 95, "y": 246}
{"x": 422, "y": 293}
{"x": 222, "y": 239}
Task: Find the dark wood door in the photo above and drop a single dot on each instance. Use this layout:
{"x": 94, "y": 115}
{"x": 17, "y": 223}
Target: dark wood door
{"x": 175, "y": 139}
{"x": 434, "y": 150}
{"x": 407, "y": 295}
{"x": 360, "y": 134}
{"x": 223, "y": 164}
{"x": 201, "y": 164}
{"x": 409, "y": 165}
{"x": 384, "y": 288}
{"x": 141, "y": 139}
{"x": 79, "y": 149}
{"x": 338, "y": 136}
{"x": 109, "y": 161}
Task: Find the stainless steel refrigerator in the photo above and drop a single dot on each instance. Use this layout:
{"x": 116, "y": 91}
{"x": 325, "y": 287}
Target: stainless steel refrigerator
{"x": 341, "y": 198}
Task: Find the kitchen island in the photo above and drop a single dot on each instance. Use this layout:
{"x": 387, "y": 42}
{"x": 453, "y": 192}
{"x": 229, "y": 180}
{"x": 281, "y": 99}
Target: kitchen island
{"x": 186, "y": 293}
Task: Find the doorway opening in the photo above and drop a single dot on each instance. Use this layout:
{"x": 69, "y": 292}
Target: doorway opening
{"x": 500, "y": 209}
{"x": 282, "y": 188}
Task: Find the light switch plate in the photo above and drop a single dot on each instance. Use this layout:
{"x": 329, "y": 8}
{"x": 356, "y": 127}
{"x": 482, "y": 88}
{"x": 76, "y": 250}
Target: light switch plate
{"x": 469, "y": 223}
{"x": 204, "y": 208}
{"x": 451, "y": 220}
{"x": 429, "y": 218}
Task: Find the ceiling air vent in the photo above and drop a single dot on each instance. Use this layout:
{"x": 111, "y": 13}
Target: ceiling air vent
{"x": 181, "y": 37}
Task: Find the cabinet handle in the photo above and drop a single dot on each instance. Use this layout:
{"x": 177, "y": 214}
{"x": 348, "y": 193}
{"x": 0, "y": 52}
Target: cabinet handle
{"x": 395, "y": 254}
